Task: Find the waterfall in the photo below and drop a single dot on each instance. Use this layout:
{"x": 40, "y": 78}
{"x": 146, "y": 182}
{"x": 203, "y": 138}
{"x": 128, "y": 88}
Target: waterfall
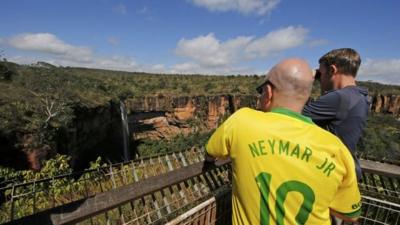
{"x": 125, "y": 131}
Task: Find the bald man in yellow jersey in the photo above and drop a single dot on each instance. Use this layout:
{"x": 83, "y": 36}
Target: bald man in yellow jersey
{"x": 286, "y": 170}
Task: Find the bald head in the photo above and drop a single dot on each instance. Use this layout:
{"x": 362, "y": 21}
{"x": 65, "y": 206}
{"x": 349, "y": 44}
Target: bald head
{"x": 292, "y": 77}
{"x": 292, "y": 81}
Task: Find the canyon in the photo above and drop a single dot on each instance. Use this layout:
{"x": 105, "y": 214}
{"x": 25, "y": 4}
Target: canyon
{"x": 97, "y": 131}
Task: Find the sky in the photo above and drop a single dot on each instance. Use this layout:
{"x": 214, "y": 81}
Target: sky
{"x": 216, "y": 37}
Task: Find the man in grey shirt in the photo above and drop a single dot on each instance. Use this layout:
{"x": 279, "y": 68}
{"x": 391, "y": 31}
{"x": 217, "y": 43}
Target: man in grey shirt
{"x": 343, "y": 106}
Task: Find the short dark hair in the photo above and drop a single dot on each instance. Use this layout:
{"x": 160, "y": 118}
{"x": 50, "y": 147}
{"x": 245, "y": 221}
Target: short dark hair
{"x": 347, "y": 60}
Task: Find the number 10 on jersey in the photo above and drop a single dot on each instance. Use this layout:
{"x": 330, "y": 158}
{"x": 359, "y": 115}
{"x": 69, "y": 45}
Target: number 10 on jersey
{"x": 264, "y": 180}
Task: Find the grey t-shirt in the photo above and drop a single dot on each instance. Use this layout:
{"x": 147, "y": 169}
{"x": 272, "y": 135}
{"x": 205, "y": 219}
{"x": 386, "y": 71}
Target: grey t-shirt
{"x": 344, "y": 113}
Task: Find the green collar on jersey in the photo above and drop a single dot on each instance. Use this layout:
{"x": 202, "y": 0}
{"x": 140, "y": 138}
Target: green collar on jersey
{"x": 293, "y": 114}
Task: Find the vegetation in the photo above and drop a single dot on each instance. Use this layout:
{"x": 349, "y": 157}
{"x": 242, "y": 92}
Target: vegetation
{"x": 178, "y": 143}
{"x": 380, "y": 140}
{"x": 39, "y": 96}
{"x": 41, "y": 199}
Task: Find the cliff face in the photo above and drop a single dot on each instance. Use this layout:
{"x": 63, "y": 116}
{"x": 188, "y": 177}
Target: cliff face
{"x": 97, "y": 131}
{"x": 92, "y": 130}
{"x": 386, "y": 104}
{"x": 165, "y": 117}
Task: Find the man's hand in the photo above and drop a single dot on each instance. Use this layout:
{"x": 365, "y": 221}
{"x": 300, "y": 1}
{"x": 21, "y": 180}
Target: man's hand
{"x": 209, "y": 158}
{"x": 316, "y": 74}
{"x": 343, "y": 217}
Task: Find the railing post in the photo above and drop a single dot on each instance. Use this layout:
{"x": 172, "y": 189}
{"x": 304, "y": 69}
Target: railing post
{"x": 112, "y": 178}
{"x": 125, "y": 179}
{"x": 169, "y": 163}
{"x": 142, "y": 164}
{"x": 164, "y": 196}
{"x": 183, "y": 159}
{"x": 12, "y": 202}
{"x": 135, "y": 176}
{"x": 155, "y": 203}
{"x": 54, "y": 193}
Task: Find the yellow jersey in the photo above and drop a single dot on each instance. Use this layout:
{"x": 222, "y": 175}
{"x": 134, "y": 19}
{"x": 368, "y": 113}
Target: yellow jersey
{"x": 286, "y": 169}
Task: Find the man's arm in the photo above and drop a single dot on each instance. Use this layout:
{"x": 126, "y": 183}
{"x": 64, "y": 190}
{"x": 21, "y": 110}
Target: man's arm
{"x": 219, "y": 144}
{"x": 346, "y": 203}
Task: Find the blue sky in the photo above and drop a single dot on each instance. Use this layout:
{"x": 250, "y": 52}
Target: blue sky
{"x": 201, "y": 36}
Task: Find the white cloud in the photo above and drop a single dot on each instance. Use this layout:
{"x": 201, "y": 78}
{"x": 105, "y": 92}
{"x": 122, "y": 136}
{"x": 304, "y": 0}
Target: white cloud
{"x": 120, "y": 9}
{"x": 115, "y": 62}
{"x": 378, "y": 67}
{"x": 111, "y": 63}
{"x": 380, "y": 70}
{"x": 193, "y": 68}
{"x": 208, "y": 51}
{"x": 49, "y": 48}
{"x": 277, "y": 41}
{"x": 49, "y": 43}
{"x": 185, "y": 68}
{"x": 54, "y": 50}
{"x": 259, "y": 7}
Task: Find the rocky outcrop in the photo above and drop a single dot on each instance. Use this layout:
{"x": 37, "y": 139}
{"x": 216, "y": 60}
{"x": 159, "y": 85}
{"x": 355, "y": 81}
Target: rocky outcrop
{"x": 164, "y": 117}
{"x": 386, "y": 104}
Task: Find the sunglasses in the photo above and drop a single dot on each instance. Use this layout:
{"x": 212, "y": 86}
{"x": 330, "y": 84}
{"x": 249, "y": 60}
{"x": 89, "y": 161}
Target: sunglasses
{"x": 260, "y": 88}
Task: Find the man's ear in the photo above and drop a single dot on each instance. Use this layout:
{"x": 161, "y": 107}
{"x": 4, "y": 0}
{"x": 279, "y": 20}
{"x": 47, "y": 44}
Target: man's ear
{"x": 333, "y": 69}
{"x": 269, "y": 92}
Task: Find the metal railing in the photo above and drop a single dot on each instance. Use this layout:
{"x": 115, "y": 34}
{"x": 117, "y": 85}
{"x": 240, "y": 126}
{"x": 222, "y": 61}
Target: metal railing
{"x": 380, "y": 181}
{"x": 378, "y": 212}
{"x": 152, "y": 201}
{"x": 23, "y": 199}
{"x": 214, "y": 211}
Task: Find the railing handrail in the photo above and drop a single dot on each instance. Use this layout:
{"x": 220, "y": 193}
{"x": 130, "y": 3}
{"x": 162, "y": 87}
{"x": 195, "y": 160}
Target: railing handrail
{"x": 379, "y": 168}
{"x": 392, "y": 204}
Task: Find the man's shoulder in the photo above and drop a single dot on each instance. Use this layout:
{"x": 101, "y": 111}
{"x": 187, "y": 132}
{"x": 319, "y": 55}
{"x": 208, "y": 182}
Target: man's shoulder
{"x": 326, "y": 135}
{"x": 352, "y": 91}
{"x": 245, "y": 111}
{"x": 329, "y": 99}
{"x": 353, "y": 96}
{"x": 246, "y": 114}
